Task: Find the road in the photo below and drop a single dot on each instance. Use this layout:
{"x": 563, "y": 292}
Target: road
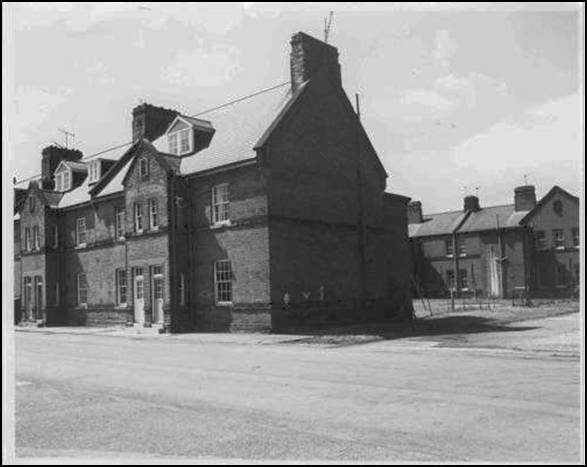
{"x": 205, "y": 398}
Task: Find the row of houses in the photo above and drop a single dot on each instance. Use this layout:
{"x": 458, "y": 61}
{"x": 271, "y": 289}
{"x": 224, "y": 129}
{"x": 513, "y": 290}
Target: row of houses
{"x": 266, "y": 213}
{"x": 528, "y": 248}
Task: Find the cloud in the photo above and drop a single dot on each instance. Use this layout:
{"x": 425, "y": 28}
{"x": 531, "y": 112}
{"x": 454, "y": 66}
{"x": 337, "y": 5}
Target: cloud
{"x": 202, "y": 68}
{"x": 444, "y": 48}
{"x": 33, "y": 107}
{"x": 545, "y": 134}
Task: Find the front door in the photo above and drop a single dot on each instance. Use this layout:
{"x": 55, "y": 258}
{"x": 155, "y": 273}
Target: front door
{"x": 157, "y": 291}
{"x": 139, "y": 296}
{"x": 28, "y": 298}
{"x": 38, "y": 297}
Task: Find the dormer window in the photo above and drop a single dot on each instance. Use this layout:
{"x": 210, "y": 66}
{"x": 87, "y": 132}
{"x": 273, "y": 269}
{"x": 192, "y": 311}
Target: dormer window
{"x": 180, "y": 142}
{"x": 63, "y": 181}
{"x": 94, "y": 172}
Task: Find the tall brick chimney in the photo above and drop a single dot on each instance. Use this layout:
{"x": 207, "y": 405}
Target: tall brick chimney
{"x": 415, "y": 212}
{"x": 309, "y": 56}
{"x": 471, "y": 203}
{"x": 150, "y": 122}
{"x": 524, "y": 197}
{"x": 51, "y": 158}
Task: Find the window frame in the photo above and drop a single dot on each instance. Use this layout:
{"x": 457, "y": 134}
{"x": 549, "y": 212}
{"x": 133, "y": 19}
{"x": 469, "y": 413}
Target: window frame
{"x": 461, "y": 247}
{"x": 27, "y": 239}
{"x": 540, "y": 240}
{"x": 120, "y": 273}
{"x": 176, "y": 139}
{"x": 218, "y": 282}
{"x": 79, "y": 288}
{"x": 558, "y": 243}
{"x": 119, "y": 223}
{"x": 32, "y": 204}
{"x": 181, "y": 289}
{"x": 138, "y": 217}
{"x": 576, "y": 236}
{"x": 36, "y": 238}
{"x": 463, "y": 280}
{"x": 94, "y": 171}
{"x": 153, "y": 215}
{"x": 449, "y": 248}
{"x": 224, "y": 204}
{"x": 79, "y": 232}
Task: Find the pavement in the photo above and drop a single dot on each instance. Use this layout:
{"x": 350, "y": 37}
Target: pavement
{"x": 489, "y": 392}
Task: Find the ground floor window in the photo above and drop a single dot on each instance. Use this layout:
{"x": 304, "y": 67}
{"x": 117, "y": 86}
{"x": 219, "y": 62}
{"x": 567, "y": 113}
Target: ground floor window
{"x": 463, "y": 279}
{"x": 181, "y": 289}
{"x": 121, "y": 287}
{"x": 223, "y": 281}
{"x": 82, "y": 289}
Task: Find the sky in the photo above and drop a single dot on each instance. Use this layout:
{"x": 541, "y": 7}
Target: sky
{"x": 456, "y": 100}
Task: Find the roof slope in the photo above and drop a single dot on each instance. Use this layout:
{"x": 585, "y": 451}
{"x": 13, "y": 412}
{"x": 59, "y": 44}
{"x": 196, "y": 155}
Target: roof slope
{"x": 437, "y": 224}
{"x": 239, "y": 125}
{"x": 493, "y": 217}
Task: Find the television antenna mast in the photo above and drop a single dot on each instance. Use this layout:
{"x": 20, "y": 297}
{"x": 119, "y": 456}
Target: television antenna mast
{"x": 327, "y": 25}
{"x": 67, "y": 134}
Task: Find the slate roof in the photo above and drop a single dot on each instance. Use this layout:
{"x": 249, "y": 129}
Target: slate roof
{"x": 491, "y": 217}
{"x": 488, "y": 218}
{"x": 239, "y": 126}
{"x": 437, "y": 224}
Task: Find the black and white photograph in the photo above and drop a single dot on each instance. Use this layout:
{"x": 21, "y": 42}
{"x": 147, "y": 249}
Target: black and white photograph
{"x": 293, "y": 233}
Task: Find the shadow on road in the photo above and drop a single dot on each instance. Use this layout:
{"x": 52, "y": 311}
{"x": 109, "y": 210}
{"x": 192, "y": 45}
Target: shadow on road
{"x": 447, "y": 326}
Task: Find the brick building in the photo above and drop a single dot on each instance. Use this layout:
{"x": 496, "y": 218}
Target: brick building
{"x": 526, "y": 247}
{"x": 265, "y": 213}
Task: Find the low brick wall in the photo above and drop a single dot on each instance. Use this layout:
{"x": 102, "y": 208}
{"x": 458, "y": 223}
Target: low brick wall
{"x": 234, "y": 318}
{"x": 92, "y": 316}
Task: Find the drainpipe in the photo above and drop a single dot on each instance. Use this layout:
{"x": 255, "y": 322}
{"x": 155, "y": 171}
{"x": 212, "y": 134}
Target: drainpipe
{"x": 171, "y": 220}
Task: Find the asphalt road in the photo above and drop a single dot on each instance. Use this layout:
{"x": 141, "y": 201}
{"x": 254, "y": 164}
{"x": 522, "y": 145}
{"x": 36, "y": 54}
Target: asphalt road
{"x": 183, "y": 397}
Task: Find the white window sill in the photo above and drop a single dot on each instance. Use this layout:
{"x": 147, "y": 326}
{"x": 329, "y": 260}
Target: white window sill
{"x": 223, "y": 303}
{"x": 559, "y": 248}
{"x": 155, "y": 229}
{"x": 122, "y": 239}
{"x": 82, "y": 306}
{"x": 450, "y": 256}
{"x": 121, "y": 306}
{"x": 80, "y": 245}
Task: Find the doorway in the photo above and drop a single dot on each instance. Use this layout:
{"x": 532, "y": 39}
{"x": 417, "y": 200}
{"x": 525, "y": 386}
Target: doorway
{"x": 139, "y": 295}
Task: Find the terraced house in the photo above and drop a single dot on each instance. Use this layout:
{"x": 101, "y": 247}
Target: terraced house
{"x": 526, "y": 248}
{"x": 265, "y": 213}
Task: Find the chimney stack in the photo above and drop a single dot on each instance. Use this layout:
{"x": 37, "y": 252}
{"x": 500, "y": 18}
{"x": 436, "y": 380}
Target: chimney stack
{"x": 415, "y": 212}
{"x": 524, "y": 197}
{"x": 51, "y": 158}
{"x": 471, "y": 203}
{"x": 150, "y": 122}
{"x": 309, "y": 56}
